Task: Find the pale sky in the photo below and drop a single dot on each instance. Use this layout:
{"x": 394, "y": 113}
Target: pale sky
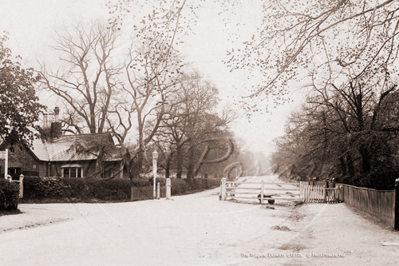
{"x": 32, "y": 23}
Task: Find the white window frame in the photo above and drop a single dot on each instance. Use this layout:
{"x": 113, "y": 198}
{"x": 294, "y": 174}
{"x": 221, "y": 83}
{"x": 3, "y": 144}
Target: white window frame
{"x": 70, "y": 167}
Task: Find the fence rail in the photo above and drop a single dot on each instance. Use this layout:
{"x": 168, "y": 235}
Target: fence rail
{"x": 232, "y": 189}
{"x": 320, "y": 194}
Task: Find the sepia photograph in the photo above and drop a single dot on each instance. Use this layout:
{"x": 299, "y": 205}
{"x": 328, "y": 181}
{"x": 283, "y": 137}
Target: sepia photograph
{"x": 199, "y": 132}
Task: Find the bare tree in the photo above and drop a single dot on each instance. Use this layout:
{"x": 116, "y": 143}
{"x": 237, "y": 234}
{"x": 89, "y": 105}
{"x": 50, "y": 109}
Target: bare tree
{"x": 152, "y": 72}
{"x": 351, "y": 126}
{"x": 296, "y": 37}
{"x": 88, "y": 82}
{"x": 191, "y": 124}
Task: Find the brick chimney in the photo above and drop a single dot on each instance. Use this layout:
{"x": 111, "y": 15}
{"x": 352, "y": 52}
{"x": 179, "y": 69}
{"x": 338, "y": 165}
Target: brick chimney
{"x": 55, "y": 130}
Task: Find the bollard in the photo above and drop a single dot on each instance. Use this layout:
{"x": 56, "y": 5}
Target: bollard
{"x": 168, "y": 188}
{"x": 396, "y": 205}
{"x": 158, "y": 190}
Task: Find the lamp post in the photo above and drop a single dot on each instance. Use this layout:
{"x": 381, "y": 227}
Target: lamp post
{"x": 154, "y": 170}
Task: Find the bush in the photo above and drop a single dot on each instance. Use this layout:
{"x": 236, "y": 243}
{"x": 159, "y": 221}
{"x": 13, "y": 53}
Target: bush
{"x": 179, "y": 186}
{"x": 9, "y": 195}
{"x": 105, "y": 189}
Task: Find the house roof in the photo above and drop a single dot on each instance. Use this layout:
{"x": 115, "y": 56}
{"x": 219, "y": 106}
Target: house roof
{"x": 77, "y": 148}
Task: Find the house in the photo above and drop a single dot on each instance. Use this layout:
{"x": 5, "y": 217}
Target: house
{"x": 54, "y": 154}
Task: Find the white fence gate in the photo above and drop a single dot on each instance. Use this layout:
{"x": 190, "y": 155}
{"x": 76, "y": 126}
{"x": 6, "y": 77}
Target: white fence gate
{"x": 320, "y": 194}
{"x": 256, "y": 191}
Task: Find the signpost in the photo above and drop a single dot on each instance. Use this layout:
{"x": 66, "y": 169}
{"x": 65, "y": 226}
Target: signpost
{"x": 154, "y": 170}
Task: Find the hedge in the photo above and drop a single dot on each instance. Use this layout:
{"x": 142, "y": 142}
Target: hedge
{"x": 105, "y": 189}
{"x": 9, "y": 195}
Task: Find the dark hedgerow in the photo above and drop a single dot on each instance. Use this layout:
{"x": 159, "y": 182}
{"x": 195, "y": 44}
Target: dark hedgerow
{"x": 86, "y": 190}
{"x": 9, "y": 195}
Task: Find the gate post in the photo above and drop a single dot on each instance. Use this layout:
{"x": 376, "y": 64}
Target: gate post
{"x": 21, "y": 186}
{"x": 168, "y": 189}
{"x": 223, "y": 189}
{"x": 261, "y": 192}
{"x": 396, "y": 205}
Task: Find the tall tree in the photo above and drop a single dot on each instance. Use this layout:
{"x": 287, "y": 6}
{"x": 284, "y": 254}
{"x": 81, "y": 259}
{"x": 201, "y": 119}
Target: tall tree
{"x": 88, "y": 82}
{"x": 152, "y": 72}
{"x": 353, "y": 121}
{"x": 19, "y": 106}
{"x": 192, "y": 126}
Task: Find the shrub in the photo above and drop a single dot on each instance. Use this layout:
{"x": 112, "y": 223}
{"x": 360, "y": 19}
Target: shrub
{"x": 179, "y": 186}
{"x": 9, "y": 195}
{"x": 105, "y": 189}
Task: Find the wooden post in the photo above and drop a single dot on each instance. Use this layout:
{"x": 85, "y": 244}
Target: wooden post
{"x": 223, "y": 189}
{"x": 21, "y": 186}
{"x": 261, "y": 192}
{"x": 343, "y": 192}
{"x": 131, "y": 193}
{"x": 6, "y": 165}
{"x": 168, "y": 188}
{"x": 396, "y": 205}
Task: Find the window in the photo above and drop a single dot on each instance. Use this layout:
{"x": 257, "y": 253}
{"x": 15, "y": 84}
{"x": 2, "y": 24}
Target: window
{"x": 72, "y": 170}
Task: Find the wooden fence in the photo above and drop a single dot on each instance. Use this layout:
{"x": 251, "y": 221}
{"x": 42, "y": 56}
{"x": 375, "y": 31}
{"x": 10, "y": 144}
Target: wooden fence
{"x": 383, "y": 204}
{"x": 318, "y": 193}
{"x": 255, "y": 191}
{"x": 378, "y": 203}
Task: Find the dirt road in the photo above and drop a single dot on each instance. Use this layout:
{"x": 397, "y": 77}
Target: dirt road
{"x": 193, "y": 230}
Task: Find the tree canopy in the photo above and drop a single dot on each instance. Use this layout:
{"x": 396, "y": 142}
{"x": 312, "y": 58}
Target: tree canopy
{"x": 19, "y": 107}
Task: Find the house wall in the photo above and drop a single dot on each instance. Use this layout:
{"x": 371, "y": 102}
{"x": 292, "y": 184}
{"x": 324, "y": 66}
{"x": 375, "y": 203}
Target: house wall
{"x": 19, "y": 157}
{"x": 89, "y": 168}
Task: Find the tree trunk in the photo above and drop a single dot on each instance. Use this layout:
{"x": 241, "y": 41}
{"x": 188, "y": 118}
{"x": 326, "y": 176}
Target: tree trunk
{"x": 191, "y": 161}
{"x": 167, "y": 168}
{"x": 343, "y": 166}
{"x": 366, "y": 164}
{"x": 349, "y": 163}
{"x": 179, "y": 160}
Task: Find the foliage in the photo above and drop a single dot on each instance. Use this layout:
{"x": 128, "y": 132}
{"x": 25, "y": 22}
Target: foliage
{"x": 19, "y": 107}
{"x": 351, "y": 127}
{"x": 113, "y": 189}
{"x": 9, "y": 195}
{"x": 49, "y": 187}
{"x": 381, "y": 179}
{"x": 296, "y": 37}
{"x": 191, "y": 131}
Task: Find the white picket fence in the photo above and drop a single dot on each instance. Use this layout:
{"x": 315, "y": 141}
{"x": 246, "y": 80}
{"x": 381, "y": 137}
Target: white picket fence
{"x": 320, "y": 194}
